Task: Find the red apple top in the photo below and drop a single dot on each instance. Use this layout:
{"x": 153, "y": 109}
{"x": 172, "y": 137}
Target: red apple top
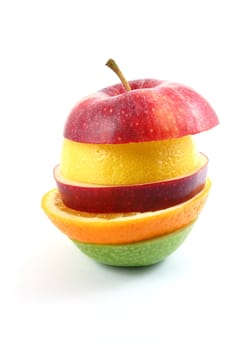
{"x": 143, "y": 110}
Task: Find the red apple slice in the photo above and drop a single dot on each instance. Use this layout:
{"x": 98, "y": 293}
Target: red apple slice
{"x": 152, "y": 110}
{"x": 130, "y": 198}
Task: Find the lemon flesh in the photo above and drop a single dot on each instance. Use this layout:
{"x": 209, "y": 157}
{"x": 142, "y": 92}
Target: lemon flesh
{"x": 130, "y": 163}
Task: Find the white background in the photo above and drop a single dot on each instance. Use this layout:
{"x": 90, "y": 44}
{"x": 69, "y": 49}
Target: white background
{"x": 52, "y": 53}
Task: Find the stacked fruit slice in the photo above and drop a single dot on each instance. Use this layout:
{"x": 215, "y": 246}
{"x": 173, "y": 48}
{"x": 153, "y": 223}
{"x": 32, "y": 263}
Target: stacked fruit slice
{"x": 131, "y": 182}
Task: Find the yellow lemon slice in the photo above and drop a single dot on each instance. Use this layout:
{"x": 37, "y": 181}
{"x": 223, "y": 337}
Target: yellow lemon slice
{"x": 130, "y": 163}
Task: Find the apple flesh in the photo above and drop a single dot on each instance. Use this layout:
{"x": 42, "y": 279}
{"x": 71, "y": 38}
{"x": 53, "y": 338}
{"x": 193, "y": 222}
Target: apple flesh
{"x": 130, "y": 198}
{"x": 152, "y": 110}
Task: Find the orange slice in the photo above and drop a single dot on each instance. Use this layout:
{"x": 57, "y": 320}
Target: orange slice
{"x": 121, "y": 228}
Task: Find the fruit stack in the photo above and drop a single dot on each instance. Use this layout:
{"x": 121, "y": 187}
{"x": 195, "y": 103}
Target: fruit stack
{"x": 131, "y": 182}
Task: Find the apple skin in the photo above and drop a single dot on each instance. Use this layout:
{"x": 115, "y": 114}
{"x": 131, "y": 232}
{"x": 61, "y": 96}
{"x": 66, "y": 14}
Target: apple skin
{"x": 152, "y": 110}
{"x": 130, "y": 198}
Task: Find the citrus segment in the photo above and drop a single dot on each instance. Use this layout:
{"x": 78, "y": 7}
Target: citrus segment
{"x": 121, "y": 228}
{"x": 131, "y": 163}
{"x": 136, "y": 254}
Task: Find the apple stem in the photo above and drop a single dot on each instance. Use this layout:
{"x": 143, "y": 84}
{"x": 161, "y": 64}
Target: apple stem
{"x": 112, "y": 64}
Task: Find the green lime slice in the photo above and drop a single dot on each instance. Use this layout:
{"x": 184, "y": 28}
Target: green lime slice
{"x": 136, "y": 254}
